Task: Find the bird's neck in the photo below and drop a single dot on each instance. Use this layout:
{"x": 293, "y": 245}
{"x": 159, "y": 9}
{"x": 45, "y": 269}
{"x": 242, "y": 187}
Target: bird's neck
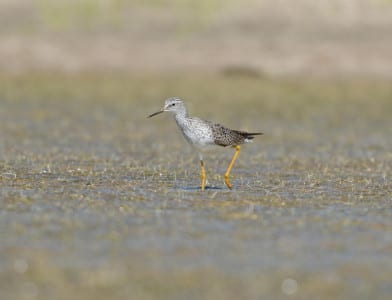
{"x": 181, "y": 115}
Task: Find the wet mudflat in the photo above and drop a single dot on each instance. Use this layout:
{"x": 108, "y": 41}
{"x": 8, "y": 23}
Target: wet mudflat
{"x": 99, "y": 202}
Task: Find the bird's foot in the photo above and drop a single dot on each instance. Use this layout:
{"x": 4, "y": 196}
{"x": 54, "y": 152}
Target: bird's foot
{"x": 227, "y": 182}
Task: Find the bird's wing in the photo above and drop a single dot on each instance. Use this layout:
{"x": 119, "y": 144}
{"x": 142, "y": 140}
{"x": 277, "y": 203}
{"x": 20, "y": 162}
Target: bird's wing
{"x": 226, "y": 137}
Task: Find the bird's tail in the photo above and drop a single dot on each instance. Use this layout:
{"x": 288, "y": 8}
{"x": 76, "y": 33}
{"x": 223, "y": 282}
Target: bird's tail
{"x": 249, "y": 136}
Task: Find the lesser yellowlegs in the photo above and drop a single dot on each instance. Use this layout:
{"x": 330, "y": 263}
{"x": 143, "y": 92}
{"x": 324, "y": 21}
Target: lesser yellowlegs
{"x": 201, "y": 133}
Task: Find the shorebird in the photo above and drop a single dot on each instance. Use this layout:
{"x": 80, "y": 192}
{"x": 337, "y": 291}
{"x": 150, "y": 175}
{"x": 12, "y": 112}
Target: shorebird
{"x": 201, "y": 133}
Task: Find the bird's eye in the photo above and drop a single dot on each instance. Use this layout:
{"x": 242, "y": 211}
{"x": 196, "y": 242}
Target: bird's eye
{"x": 173, "y": 104}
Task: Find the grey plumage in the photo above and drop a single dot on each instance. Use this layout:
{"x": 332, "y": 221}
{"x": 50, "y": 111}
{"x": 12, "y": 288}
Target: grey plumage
{"x": 201, "y": 133}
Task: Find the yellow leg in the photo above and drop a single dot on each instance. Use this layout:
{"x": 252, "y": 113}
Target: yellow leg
{"x": 203, "y": 175}
{"x": 227, "y": 174}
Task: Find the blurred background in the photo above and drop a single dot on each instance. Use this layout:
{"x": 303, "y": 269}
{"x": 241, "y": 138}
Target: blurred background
{"x": 99, "y": 202}
{"x": 273, "y": 37}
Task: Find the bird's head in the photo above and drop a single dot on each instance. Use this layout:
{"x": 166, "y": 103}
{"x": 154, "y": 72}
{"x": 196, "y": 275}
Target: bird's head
{"x": 174, "y": 104}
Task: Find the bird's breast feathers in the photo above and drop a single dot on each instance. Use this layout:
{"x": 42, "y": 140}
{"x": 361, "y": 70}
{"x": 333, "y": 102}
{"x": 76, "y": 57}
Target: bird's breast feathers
{"x": 196, "y": 131}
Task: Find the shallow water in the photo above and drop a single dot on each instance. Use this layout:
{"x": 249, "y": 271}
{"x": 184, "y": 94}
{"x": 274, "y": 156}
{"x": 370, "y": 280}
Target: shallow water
{"x": 97, "y": 201}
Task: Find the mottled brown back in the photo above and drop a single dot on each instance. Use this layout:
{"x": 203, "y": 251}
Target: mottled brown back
{"x": 228, "y": 137}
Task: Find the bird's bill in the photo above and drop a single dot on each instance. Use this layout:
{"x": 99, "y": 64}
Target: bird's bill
{"x": 156, "y": 113}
